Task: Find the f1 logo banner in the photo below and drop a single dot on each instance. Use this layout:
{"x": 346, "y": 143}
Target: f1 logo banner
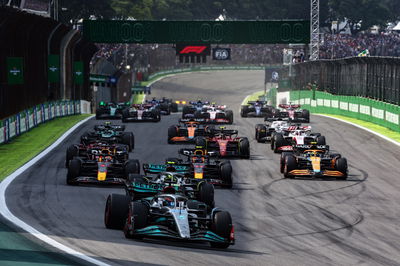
{"x": 187, "y": 49}
{"x": 221, "y": 53}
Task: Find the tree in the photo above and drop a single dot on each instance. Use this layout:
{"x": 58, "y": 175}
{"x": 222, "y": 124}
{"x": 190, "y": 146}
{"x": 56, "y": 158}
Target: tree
{"x": 361, "y": 14}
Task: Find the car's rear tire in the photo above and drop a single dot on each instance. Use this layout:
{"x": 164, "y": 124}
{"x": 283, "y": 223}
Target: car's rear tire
{"x": 341, "y": 166}
{"x": 74, "y": 170}
{"x": 140, "y": 213}
{"x": 116, "y": 211}
{"x": 71, "y": 152}
{"x": 279, "y": 141}
{"x": 290, "y": 165}
{"x": 259, "y": 135}
{"x": 222, "y": 226}
{"x": 226, "y": 174}
{"x": 283, "y": 159}
{"x": 229, "y": 116}
{"x": 244, "y": 148}
{"x": 132, "y": 166}
{"x": 174, "y": 107}
{"x": 172, "y": 132}
{"x": 128, "y": 139}
{"x": 321, "y": 140}
{"x": 206, "y": 194}
{"x": 244, "y": 110}
{"x": 306, "y": 115}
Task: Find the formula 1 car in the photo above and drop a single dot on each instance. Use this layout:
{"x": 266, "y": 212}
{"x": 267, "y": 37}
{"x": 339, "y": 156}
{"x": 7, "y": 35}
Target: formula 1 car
{"x": 110, "y": 134}
{"x": 199, "y": 165}
{"x": 225, "y": 143}
{"x": 141, "y": 112}
{"x": 257, "y": 109}
{"x": 110, "y": 110}
{"x": 264, "y": 132}
{"x": 313, "y": 161}
{"x": 141, "y": 186}
{"x": 164, "y": 105}
{"x": 211, "y": 114}
{"x": 101, "y": 166}
{"x": 169, "y": 216}
{"x": 187, "y": 131}
{"x": 284, "y": 141}
{"x": 188, "y": 111}
{"x": 293, "y": 113}
{"x": 120, "y": 151}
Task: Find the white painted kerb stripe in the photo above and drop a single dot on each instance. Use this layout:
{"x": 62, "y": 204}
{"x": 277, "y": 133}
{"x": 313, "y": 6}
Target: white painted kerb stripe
{"x": 364, "y": 128}
{"x": 15, "y": 220}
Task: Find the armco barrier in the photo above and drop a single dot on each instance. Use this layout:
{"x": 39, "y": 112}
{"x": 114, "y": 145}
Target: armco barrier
{"x": 380, "y": 113}
{"x": 23, "y": 121}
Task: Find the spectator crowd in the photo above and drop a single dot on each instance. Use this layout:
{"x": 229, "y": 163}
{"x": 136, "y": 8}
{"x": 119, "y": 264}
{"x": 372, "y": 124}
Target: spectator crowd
{"x": 343, "y": 45}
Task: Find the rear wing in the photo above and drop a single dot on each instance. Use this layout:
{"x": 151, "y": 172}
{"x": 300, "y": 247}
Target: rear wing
{"x": 254, "y": 102}
{"x": 302, "y": 148}
{"x": 199, "y": 152}
{"x": 226, "y": 132}
{"x": 286, "y": 106}
{"x": 196, "y": 120}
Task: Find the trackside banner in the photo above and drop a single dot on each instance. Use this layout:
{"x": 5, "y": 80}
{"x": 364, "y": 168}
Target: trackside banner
{"x": 370, "y": 110}
{"x": 30, "y": 118}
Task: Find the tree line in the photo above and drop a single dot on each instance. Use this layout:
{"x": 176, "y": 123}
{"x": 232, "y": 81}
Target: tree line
{"x": 360, "y": 14}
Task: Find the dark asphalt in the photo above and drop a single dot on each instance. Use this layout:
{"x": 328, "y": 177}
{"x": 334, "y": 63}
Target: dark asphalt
{"x": 277, "y": 221}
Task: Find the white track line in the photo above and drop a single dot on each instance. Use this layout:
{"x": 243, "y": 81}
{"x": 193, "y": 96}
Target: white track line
{"x": 16, "y": 221}
{"x": 364, "y": 128}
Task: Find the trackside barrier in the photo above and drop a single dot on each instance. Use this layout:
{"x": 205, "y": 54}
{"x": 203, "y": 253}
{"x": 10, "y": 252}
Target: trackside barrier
{"x": 380, "y": 113}
{"x": 27, "y": 119}
{"x": 203, "y": 68}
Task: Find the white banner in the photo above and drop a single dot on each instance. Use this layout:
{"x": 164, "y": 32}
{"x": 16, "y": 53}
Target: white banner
{"x": 344, "y": 106}
{"x": 392, "y": 118}
{"x": 378, "y": 113}
{"x": 335, "y": 103}
{"x": 353, "y": 107}
{"x": 364, "y": 109}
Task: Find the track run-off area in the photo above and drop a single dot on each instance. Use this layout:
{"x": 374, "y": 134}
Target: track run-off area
{"x": 277, "y": 221}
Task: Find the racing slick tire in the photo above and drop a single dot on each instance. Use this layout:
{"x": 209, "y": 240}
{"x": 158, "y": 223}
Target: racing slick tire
{"x": 321, "y": 140}
{"x": 226, "y": 174}
{"x": 166, "y": 108}
{"x": 174, "y": 107}
{"x": 172, "y": 132}
{"x": 315, "y": 134}
{"x": 341, "y": 166}
{"x": 156, "y": 115}
{"x": 279, "y": 141}
{"x": 139, "y": 211}
{"x": 206, "y": 194}
{"x": 71, "y": 152}
{"x": 116, "y": 211}
{"x": 125, "y": 115}
{"x": 222, "y": 226}
{"x": 201, "y": 142}
{"x": 132, "y": 166}
{"x": 306, "y": 115}
{"x": 283, "y": 159}
{"x": 244, "y": 148}
{"x": 98, "y": 114}
{"x": 229, "y": 116}
{"x": 244, "y": 110}
{"x": 259, "y": 135}
{"x": 128, "y": 139}
{"x": 74, "y": 170}
{"x": 290, "y": 165}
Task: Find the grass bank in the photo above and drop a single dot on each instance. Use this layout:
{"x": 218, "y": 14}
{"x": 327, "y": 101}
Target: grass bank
{"x": 23, "y": 148}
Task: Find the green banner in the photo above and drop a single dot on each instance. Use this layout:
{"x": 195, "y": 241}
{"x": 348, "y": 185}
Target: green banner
{"x": 198, "y": 32}
{"x": 15, "y": 71}
{"x": 53, "y": 68}
{"x": 78, "y": 72}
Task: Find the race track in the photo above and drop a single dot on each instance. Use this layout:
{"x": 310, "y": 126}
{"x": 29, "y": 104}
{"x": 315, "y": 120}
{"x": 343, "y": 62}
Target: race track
{"x": 277, "y": 221}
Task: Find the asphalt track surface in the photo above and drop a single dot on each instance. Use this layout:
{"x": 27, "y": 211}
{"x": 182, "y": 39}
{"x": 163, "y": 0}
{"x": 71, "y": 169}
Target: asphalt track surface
{"x": 277, "y": 221}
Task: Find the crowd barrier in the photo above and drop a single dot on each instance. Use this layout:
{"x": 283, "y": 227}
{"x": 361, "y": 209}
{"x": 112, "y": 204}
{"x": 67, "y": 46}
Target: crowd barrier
{"x": 23, "y": 121}
{"x": 370, "y": 110}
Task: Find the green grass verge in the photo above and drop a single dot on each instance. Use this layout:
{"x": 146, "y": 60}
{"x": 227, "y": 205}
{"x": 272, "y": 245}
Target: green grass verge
{"x": 379, "y": 129}
{"x": 23, "y": 148}
{"x": 138, "y": 98}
